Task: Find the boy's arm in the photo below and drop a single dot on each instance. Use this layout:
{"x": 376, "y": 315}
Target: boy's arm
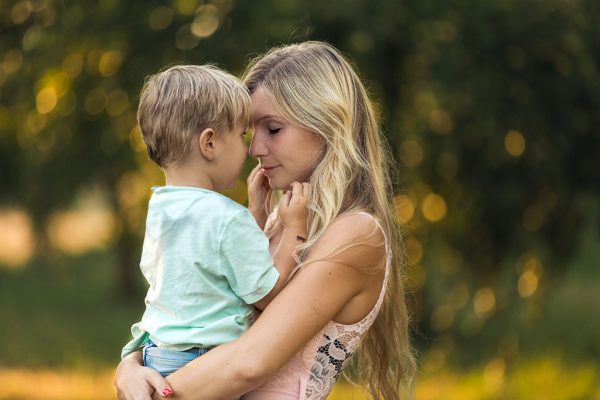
{"x": 258, "y": 190}
{"x": 293, "y": 212}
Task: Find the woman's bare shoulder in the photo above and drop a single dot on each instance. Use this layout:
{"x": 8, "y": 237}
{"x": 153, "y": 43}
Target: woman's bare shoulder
{"x": 353, "y": 238}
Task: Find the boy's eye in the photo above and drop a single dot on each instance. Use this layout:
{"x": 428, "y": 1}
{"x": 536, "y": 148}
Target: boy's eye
{"x": 274, "y": 130}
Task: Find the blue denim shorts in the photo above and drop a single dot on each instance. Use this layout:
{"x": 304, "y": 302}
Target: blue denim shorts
{"x": 168, "y": 361}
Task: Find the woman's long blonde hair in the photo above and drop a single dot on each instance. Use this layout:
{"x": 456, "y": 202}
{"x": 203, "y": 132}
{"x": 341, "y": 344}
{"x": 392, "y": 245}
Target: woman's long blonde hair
{"x": 313, "y": 86}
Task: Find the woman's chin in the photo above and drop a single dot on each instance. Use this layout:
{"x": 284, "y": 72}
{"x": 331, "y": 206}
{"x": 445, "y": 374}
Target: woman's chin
{"x": 277, "y": 184}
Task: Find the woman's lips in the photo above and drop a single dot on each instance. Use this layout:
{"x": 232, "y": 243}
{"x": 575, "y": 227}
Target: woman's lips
{"x": 269, "y": 170}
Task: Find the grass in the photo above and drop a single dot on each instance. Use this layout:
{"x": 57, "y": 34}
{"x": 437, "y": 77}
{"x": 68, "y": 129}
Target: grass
{"x": 63, "y": 327}
{"x": 64, "y": 314}
{"x": 544, "y": 378}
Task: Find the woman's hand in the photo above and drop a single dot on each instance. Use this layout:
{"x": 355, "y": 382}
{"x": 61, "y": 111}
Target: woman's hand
{"x": 258, "y": 190}
{"x": 293, "y": 207}
{"x": 136, "y": 382}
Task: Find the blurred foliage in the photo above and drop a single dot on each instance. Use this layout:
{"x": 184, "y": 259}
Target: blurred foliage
{"x": 491, "y": 110}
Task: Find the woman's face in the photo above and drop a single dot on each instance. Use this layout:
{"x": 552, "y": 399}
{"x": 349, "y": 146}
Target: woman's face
{"x": 286, "y": 152}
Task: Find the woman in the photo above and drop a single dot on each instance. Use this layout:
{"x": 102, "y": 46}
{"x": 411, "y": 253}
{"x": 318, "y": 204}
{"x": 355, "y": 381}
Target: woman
{"x": 313, "y": 121}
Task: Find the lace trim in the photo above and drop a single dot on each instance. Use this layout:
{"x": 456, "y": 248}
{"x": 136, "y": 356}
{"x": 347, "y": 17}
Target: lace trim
{"x": 338, "y": 344}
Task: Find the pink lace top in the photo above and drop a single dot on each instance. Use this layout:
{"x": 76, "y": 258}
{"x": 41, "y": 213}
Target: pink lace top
{"x": 312, "y": 372}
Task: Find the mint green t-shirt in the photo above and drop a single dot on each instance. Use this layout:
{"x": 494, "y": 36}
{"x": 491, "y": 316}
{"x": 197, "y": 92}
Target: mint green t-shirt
{"x": 206, "y": 261}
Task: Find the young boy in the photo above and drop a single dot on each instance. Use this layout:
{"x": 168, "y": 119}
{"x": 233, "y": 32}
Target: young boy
{"x": 205, "y": 258}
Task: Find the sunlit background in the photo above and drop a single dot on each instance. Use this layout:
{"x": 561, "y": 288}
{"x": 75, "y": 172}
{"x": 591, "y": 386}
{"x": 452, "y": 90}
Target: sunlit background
{"x": 491, "y": 110}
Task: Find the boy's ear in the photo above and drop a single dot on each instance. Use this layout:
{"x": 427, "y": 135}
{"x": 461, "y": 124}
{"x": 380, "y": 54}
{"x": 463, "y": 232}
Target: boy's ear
{"x": 206, "y": 143}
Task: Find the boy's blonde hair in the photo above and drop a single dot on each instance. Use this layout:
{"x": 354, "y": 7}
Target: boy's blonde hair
{"x": 180, "y": 102}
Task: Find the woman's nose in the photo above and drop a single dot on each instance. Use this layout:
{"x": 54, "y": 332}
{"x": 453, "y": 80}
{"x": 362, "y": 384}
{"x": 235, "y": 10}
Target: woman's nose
{"x": 257, "y": 146}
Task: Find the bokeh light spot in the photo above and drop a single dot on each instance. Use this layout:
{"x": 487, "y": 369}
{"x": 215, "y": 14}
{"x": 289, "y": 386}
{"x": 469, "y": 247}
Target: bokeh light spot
{"x": 440, "y": 122}
{"x": 514, "y": 143}
{"x": 416, "y": 277}
{"x": 484, "y": 302}
{"x": 530, "y": 271}
{"x": 433, "y": 207}
{"x": 17, "y": 240}
{"x": 442, "y": 318}
{"x": 206, "y": 22}
{"x": 13, "y": 59}
{"x": 404, "y": 207}
{"x": 529, "y": 262}
{"x": 135, "y": 140}
{"x": 160, "y": 18}
{"x": 528, "y": 284}
{"x": 92, "y": 62}
{"x": 411, "y": 153}
{"x": 46, "y": 100}
{"x": 185, "y": 40}
{"x": 414, "y": 250}
{"x": 76, "y": 232}
{"x": 433, "y": 360}
{"x": 20, "y": 12}
{"x": 73, "y": 64}
{"x": 110, "y": 62}
{"x": 32, "y": 37}
{"x": 34, "y": 122}
{"x": 117, "y": 102}
{"x": 186, "y": 7}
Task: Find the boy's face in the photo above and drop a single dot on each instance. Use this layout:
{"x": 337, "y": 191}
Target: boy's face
{"x": 232, "y": 155}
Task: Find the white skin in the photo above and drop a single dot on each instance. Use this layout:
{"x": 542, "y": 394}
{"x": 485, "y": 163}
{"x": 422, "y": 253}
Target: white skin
{"x": 324, "y": 291}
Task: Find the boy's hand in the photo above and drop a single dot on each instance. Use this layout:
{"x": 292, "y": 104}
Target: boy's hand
{"x": 293, "y": 207}
{"x": 258, "y": 188}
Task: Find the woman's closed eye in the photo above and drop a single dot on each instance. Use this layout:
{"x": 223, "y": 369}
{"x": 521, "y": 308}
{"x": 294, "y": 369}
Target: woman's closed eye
{"x": 273, "y": 131}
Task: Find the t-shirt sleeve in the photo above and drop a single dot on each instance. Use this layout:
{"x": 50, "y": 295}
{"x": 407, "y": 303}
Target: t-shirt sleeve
{"x": 245, "y": 259}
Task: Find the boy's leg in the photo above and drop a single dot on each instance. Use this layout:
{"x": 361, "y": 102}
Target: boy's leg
{"x": 168, "y": 361}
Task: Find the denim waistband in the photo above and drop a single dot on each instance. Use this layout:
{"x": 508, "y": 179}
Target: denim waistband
{"x": 198, "y": 350}
{"x": 194, "y": 350}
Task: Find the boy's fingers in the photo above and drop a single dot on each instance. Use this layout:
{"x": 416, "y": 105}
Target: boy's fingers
{"x": 253, "y": 173}
{"x": 285, "y": 199}
{"x": 259, "y": 174}
{"x": 296, "y": 190}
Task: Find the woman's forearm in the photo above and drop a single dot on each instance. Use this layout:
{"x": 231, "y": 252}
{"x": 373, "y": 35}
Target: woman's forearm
{"x": 234, "y": 376}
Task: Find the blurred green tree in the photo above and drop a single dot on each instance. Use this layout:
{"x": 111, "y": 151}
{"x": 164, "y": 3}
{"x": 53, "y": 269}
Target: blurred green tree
{"x": 490, "y": 109}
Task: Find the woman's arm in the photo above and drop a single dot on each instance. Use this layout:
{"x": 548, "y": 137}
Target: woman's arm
{"x": 301, "y": 310}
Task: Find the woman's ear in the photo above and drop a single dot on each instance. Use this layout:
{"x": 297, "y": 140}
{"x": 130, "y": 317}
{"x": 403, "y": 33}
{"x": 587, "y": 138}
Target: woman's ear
{"x": 206, "y": 143}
